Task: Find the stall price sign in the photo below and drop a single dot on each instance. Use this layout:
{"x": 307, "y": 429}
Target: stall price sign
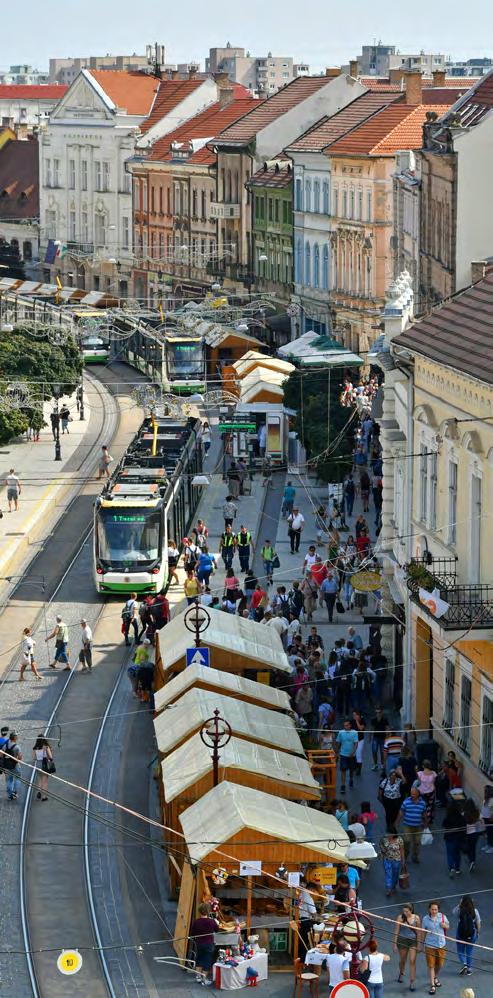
{"x": 69, "y": 962}
{"x": 253, "y": 868}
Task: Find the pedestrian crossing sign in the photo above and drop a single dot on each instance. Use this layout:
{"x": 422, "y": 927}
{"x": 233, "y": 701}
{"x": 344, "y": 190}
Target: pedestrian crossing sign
{"x": 198, "y": 656}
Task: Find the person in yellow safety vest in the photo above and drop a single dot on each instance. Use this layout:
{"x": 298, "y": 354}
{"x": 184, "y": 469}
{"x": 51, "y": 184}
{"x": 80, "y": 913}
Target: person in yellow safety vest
{"x": 243, "y": 542}
{"x": 228, "y": 544}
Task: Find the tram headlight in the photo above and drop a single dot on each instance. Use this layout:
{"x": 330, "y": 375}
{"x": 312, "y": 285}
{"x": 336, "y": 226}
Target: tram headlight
{"x": 156, "y": 570}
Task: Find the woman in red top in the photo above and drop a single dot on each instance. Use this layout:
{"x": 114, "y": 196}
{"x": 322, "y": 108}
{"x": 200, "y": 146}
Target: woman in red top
{"x": 257, "y": 595}
{"x": 363, "y": 544}
{"x": 319, "y": 571}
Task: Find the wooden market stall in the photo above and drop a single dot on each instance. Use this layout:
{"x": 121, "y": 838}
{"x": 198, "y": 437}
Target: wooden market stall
{"x": 227, "y": 683}
{"x": 233, "y": 825}
{"x": 187, "y": 774}
{"x": 236, "y": 644}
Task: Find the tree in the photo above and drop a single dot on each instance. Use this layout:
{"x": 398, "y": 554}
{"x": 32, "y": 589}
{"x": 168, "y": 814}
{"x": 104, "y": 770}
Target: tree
{"x": 24, "y": 358}
{"x": 12, "y": 424}
{"x": 320, "y": 417}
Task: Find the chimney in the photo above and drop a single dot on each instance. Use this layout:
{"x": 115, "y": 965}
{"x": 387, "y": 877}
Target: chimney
{"x": 222, "y": 79}
{"x": 174, "y": 74}
{"x": 479, "y": 269}
{"x": 192, "y": 73}
{"x": 413, "y": 82}
{"x": 332, "y": 71}
{"x": 226, "y": 95}
{"x": 395, "y": 76}
{"x": 439, "y": 77}
{"x": 353, "y": 68}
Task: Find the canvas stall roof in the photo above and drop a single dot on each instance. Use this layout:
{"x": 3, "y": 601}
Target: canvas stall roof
{"x": 227, "y": 681}
{"x": 192, "y": 760}
{"x": 218, "y": 335}
{"x": 312, "y": 348}
{"x": 184, "y": 718}
{"x": 227, "y": 809}
{"x": 250, "y": 391}
{"x": 229, "y": 632}
{"x": 253, "y": 359}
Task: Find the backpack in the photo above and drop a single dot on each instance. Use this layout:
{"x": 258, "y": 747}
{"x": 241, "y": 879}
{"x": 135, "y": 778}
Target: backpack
{"x": 466, "y": 926}
{"x": 128, "y": 610}
{"x": 8, "y": 762}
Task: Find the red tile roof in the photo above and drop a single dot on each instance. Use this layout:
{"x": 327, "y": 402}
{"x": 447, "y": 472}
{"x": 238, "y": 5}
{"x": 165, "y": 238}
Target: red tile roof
{"x": 203, "y": 126}
{"x": 26, "y": 91}
{"x": 170, "y": 94}
{"x": 19, "y": 179}
{"x": 135, "y": 92}
{"x": 279, "y": 174}
{"x": 383, "y": 82}
{"x": 398, "y": 126}
{"x": 472, "y": 107}
{"x": 458, "y": 333}
{"x": 274, "y": 107}
{"x": 328, "y": 130}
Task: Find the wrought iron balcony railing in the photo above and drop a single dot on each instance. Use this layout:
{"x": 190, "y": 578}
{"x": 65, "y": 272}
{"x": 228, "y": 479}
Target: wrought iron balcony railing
{"x": 470, "y": 606}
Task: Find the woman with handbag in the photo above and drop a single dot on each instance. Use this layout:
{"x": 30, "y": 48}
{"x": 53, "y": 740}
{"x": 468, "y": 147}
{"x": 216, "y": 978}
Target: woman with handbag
{"x": 390, "y": 796}
{"x": 43, "y": 760}
{"x": 392, "y": 853}
{"x": 406, "y": 943}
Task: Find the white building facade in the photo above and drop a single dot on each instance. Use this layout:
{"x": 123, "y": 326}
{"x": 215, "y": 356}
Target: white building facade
{"x": 312, "y": 227}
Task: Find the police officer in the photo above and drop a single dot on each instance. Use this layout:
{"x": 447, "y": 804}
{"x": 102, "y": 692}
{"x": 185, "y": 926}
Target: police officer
{"x": 243, "y": 542}
{"x": 227, "y": 544}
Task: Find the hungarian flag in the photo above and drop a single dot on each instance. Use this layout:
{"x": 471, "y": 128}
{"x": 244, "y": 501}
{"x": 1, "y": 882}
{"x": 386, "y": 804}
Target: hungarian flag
{"x": 433, "y": 602}
{"x": 55, "y": 250}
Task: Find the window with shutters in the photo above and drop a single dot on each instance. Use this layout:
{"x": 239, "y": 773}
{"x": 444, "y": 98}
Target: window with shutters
{"x": 448, "y": 703}
{"x": 98, "y": 177}
{"x": 71, "y": 174}
{"x": 452, "y": 502}
{"x": 56, "y": 173}
{"x": 464, "y": 739}
{"x": 486, "y": 754}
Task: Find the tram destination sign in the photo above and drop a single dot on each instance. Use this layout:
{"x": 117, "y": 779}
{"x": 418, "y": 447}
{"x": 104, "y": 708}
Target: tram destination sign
{"x": 226, "y": 427}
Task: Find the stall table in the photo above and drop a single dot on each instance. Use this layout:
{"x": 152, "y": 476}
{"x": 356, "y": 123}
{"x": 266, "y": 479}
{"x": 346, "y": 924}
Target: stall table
{"x": 234, "y": 978}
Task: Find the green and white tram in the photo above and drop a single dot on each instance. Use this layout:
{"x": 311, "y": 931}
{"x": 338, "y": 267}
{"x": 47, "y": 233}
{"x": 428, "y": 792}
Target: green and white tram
{"x": 148, "y": 500}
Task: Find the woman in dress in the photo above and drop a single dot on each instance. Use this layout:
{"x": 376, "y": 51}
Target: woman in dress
{"x": 27, "y": 654}
{"x": 173, "y": 556}
{"x": 42, "y": 754}
{"x": 407, "y": 943}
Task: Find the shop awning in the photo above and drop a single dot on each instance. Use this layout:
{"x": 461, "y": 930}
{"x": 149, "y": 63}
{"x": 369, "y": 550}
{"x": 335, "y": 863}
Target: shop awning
{"x": 192, "y": 760}
{"x": 259, "y": 724}
{"x": 315, "y": 349}
{"x": 229, "y": 632}
{"x": 227, "y": 682}
{"x": 229, "y": 809}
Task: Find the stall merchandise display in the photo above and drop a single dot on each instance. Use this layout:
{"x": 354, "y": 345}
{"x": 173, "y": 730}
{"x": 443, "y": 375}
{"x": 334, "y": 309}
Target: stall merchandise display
{"x": 231, "y": 976}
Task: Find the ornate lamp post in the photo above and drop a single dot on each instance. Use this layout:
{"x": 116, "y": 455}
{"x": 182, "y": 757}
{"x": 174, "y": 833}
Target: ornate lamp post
{"x": 357, "y": 931}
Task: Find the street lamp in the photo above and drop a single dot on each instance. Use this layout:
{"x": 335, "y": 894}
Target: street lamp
{"x": 57, "y": 391}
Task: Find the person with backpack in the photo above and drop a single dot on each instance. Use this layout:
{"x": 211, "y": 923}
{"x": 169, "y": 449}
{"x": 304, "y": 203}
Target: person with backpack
{"x": 206, "y": 565}
{"x": 4, "y": 737}
{"x": 296, "y": 600}
{"x": 130, "y": 618}
{"x": 349, "y": 494}
{"x": 11, "y": 758}
{"x": 191, "y": 555}
{"x": 468, "y": 929}
{"x": 43, "y": 760}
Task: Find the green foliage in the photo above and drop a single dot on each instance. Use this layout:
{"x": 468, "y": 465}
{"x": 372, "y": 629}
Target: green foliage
{"x": 23, "y": 358}
{"x": 12, "y": 424}
{"x": 320, "y": 417}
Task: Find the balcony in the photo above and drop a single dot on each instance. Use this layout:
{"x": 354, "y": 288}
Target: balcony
{"x": 80, "y": 249}
{"x": 224, "y": 209}
{"x": 470, "y": 606}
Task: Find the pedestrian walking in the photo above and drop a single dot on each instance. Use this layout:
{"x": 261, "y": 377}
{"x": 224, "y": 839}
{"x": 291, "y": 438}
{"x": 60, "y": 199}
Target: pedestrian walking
{"x": 55, "y": 423}
{"x": 435, "y": 924}
{"x": 227, "y": 545}
{"x": 85, "y": 653}
{"x": 375, "y": 962}
{"x": 487, "y": 816}
{"x": 130, "y": 618}
{"x": 390, "y": 797}
{"x": 65, "y": 417}
{"x": 329, "y": 590}
{"x": 364, "y": 484}
{"x": 407, "y": 942}
{"x": 269, "y": 557}
{"x": 346, "y": 745}
{"x": 392, "y": 748}
{"x": 453, "y": 836}
{"x": 288, "y": 498}
{"x": 358, "y": 724}
{"x": 244, "y": 545}
{"x": 309, "y": 592}
{"x": 60, "y": 633}
{"x": 349, "y": 494}
{"x": 27, "y": 655}
{"x": 230, "y": 510}
{"x": 394, "y": 860}
{"x": 105, "y": 459}
{"x": 43, "y": 760}
{"x": 192, "y": 588}
{"x": 426, "y": 786}
{"x": 467, "y": 932}
{"x": 474, "y": 826}
{"x": 266, "y": 472}
{"x": 206, "y": 566}
{"x": 13, "y": 489}
{"x": 411, "y": 815}
{"x": 173, "y": 557}
{"x": 242, "y": 469}
{"x": 233, "y": 480}
{"x": 11, "y": 759}
{"x": 206, "y": 437}
{"x": 338, "y": 966}
{"x": 296, "y": 523}
{"x": 379, "y": 726}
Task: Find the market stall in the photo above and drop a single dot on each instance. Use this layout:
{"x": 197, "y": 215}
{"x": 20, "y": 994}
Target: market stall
{"x": 237, "y": 839}
{"x": 227, "y": 683}
{"x": 235, "y": 645}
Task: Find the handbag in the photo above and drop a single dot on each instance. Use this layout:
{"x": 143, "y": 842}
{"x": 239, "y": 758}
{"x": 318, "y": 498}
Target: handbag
{"x": 426, "y": 837}
{"x": 48, "y": 766}
{"x": 340, "y": 606}
{"x": 404, "y": 879}
{"x": 275, "y": 561}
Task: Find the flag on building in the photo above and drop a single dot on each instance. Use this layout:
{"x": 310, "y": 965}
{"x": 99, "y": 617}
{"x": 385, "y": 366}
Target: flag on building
{"x": 55, "y": 250}
{"x": 433, "y": 602}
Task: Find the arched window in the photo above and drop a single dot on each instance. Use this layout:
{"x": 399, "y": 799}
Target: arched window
{"x": 351, "y": 203}
{"x": 316, "y": 266}
{"x": 316, "y": 195}
{"x": 204, "y": 205}
{"x": 177, "y": 200}
{"x": 308, "y": 265}
{"x": 325, "y": 268}
{"x": 308, "y": 195}
{"x": 298, "y": 276}
{"x": 325, "y": 197}
{"x": 298, "y": 191}
{"x": 194, "y": 202}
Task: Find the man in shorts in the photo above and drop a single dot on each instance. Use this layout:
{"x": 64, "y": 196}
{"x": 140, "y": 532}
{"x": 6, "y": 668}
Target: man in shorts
{"x": 346, "y": 743}
{"x": 13, "y": 489}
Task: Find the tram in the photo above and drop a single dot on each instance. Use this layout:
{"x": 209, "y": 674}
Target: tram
{"x": 148, "y": 500}
{"x": 177, "y": 361}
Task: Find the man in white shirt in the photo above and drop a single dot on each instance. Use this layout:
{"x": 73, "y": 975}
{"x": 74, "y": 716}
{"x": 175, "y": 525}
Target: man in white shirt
{"x": 279, "y": 624}
{"x": 310, "y": 558}
{"x": 296, "y": 522}
{"x": 13, "y": 489}
{"x": 338, "y": 968}
{"x": 85, "y": 654}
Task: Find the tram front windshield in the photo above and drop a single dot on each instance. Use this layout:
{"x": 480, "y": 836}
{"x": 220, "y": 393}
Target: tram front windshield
{"x": 128, "y": 537}
{"x": 185, "y": 360}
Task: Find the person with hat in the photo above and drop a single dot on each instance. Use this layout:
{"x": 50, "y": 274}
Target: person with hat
{"x": 85, "y": 653}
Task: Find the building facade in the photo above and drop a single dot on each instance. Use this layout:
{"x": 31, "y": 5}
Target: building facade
{"x": 19, "y": 202}
{"x": 406, "y": 234}
{"x": 272, "y": 235}
{"x": 437, "y": 397}
{"x": 28, "y": 107}
{"x": 23, "y": 75}
{"x": 378, "y": 60}
{"x": 263, "y": 74}
{"x": 67, "y": 70}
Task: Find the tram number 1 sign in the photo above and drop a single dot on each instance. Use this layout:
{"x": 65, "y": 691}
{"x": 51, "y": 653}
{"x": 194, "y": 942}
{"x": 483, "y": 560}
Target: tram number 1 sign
{"x": 69, "y": 962}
